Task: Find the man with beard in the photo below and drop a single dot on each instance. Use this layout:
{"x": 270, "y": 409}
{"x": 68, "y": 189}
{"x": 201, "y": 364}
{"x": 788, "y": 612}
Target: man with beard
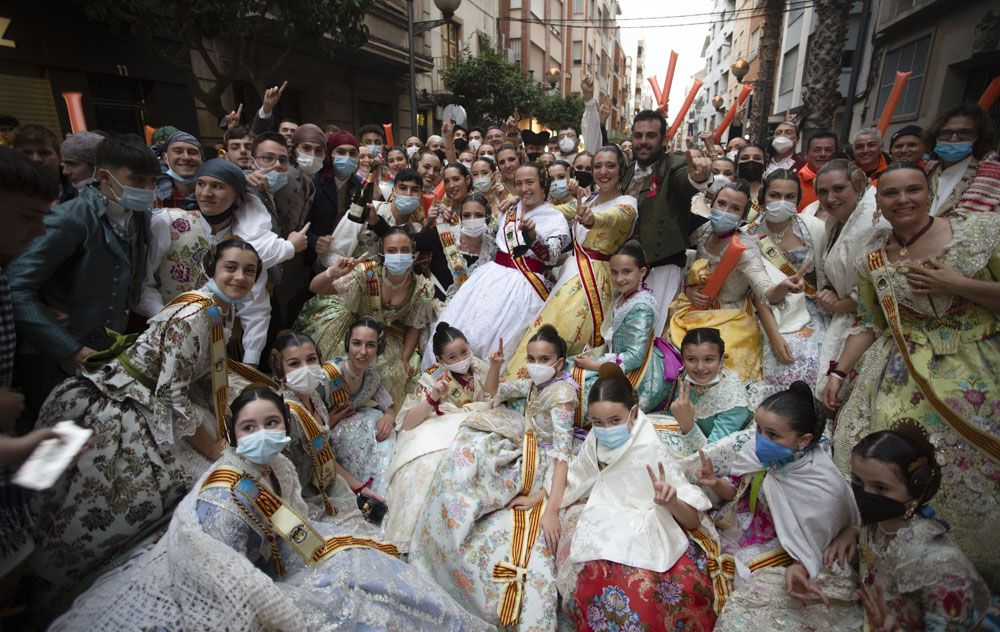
{"x": 663, "y": 184}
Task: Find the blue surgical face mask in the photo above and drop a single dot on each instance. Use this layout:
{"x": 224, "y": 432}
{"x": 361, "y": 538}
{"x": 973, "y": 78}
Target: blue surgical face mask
{"x": 216, "y": 291}
{"x": 344, "y": 166}
{"x": 558, "y": 189}
{"x": 953, "y": 152}
{"x": 406, "y": 204}
{"x": 482, "y": 185}
{"x": 276, "y": 180}
{"x": 176, "y": 178}
{"x": 133, "y": 198}
{"x": 398, "y": 262}
{"x": 613, "y": 437}
{"x": 375, "y": 149}
{"x": 723, "y": 222}
{"x": 770, "y": 453}
{"x": 262, "y": 446}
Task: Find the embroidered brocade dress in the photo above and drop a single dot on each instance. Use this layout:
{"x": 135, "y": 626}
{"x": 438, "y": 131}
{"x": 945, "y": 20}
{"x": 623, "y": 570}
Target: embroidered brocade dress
{"x": 215, "y": 569}
{"x": 124, "y": 487}
{"x": 353, "y": 437}
{"x": 807, "y": 342}
{"x": 749, "y": 532}
{"x": 615, "y": 555}
{"x": 498, "y": 300}
{"x": 928, "y": 583}
{"x": 326, "y": 318}
{"x": 419, "y": 451}
{"x": 464, "y": 531}
{"x": 720, "y": 410}
{"x": 628, "y": 329}
{"x": 733, "y": 311}
{"x": 955, "y": 344}
{"x": 181, "y": 269}
{"x": 568, "y": 307}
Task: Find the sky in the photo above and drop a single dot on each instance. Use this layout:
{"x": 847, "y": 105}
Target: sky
{"x": 686, "y": 38}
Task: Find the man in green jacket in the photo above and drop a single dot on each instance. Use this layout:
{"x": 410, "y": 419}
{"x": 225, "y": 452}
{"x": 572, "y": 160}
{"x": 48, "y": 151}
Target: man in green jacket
{"x": 663, "y": 184}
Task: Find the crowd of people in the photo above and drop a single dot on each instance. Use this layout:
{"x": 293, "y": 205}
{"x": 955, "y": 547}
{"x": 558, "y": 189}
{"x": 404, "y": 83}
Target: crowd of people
{"x": 503, "y": 378}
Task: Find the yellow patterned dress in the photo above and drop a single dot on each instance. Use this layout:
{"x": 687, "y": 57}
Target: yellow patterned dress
{"x": 576, "y": 306}
{"x": 955, "y": 344}
{"x": 733, "y": 312}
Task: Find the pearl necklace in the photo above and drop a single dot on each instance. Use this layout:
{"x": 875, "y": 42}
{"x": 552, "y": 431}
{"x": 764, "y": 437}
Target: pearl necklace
{"x": 776, "y": 237}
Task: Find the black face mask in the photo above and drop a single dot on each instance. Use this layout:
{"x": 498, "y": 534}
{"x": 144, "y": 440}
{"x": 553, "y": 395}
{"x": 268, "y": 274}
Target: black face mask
{"x": 583, "y": 178}
{"x": 876, "y": 508}
{"x": 461, "y": 144}
{"x": 533, "y": 156}
{"x": 221, "y": 218}
{"x": 750, "y": 171}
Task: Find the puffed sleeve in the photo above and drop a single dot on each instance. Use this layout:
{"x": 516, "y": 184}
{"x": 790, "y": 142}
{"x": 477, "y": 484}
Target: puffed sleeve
{"x": 512, "y": 389}
{"x": 617, "y": 221}
{"x": 423, "y": 305}
{"x": 727, "y": 422}
{"x": 870, "y": 316}
{"x": 348, "y": 289}
{"x": 562, "y": 431}
{"x": 632, "y": 339}
{"x": 751, "y": 266}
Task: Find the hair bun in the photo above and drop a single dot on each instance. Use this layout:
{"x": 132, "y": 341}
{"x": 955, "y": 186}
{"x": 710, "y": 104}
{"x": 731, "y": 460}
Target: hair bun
{"x": 611, "y": 369}
{"x": 913, "y": 432}
{"x": 441, "y": 327}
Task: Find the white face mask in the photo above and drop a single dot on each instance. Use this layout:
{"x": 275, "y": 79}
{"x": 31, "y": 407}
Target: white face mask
{"x": 461, "y": 367}
{"x": 474, "y": 227}
{"x": 411, "y": 150}
{"x": 309, "y": 164}
{"x": 718, "y": 182}
{"x": 540, "y": 373}
{"x": 782, "y": 143}
{"x": 714, "y": 380}
{"x": 475, "y": 144}
{"x": 732, "y": 155}
{"x": 779, "y": 210}
{"x": 305, "y": 379}
{"x": 566, "y": 144}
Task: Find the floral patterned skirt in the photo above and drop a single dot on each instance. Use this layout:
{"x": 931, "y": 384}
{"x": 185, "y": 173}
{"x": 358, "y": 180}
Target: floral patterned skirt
{"x": 968, "y": 380}
{"x": 612, "y": 596}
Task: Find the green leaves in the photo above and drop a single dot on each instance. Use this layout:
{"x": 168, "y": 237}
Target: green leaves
{"x": 554, "y": 110}
{"x": 490, "y": 87}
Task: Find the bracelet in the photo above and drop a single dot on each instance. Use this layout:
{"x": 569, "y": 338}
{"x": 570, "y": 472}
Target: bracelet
{"x": 329, "y": 275}
{"x": 837, "y": 373}
{"x": 367, "y": 483}
{"x": 433, "y": 404}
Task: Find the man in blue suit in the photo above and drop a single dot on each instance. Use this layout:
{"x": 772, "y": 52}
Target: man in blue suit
{"x": 83, "y": 276}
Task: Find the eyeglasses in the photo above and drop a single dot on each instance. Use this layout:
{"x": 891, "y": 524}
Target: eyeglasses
{"x": 268, "y": 159}
{"x": 960, "y": 134}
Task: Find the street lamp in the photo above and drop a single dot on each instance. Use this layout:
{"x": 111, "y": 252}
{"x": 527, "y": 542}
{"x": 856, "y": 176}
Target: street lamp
{"x": 718, "y": 103}
{"x": 740, "y": 69}
{"x": 552, "y": 77}
{"x": 447, "y": 9}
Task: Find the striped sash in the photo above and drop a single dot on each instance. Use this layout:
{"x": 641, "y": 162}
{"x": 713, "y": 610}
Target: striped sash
{"x": 338, "y": 386}
{"x": 588, "y": 279}
{"x": 510, "y": 237}
{"x": 303, "y": 538}
{"x": 778, "y": 259}
{"x": 985, "y": 443}
{"x": 317, "y": 446}
{"x": 220, "y": 376}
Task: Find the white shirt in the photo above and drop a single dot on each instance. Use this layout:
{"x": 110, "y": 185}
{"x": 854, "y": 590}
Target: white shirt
{"x": 947, "y": 180}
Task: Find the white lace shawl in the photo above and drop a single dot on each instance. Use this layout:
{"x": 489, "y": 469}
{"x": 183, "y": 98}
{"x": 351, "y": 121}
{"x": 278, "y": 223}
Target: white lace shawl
{"x": 190, "y": 580}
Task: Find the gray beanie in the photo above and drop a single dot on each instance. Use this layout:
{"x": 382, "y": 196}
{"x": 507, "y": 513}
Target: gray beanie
{"x": 228, "y": 172}
{"x": 81, "y": 147}
{"x": 182, "y": 137}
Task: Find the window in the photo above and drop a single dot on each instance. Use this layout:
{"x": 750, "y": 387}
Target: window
{"x": 577, "y": 6}
{"x": 912, "y": 57}
{"x": 514, "y": 49}
{"x": 538, "y": 8}
{"x": 754, "y": 41}
{"x": 577, "y": 53}
{"x": 788, "y": 64}
{"x": 590, "y": 57}
{"x": 515, "y": 4}
{"x": 450, "y": 38}
{"x": 557, "y": 10}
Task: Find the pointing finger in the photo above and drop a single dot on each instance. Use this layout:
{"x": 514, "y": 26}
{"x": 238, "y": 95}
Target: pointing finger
{"x": 306, "y": 227}
{"x": 284, "y": 85}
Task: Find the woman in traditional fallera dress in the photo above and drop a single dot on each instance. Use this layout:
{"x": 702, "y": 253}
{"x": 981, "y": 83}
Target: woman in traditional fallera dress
{"x": 316, "y": 395}
{"x": 913, "y": 576}
{"x": 630, "y": 340}
{"x": 239, "y": 555}
{"x": 732, "y": 311}
{"x": 488, "y": 533}
{"x": 389, "y": 292}
{"x": 932, "y": 283}
{"x": 625, "y": 487}
{"x": 502, "y": 297}
{"x": 151, "y": 402}
{"x": 786, "y": 503}
{"x": 791, "y": 246}
{"x": 583, "y": 291}
{"x": 450, "y": 391}
{"x": 843, "y": 192}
